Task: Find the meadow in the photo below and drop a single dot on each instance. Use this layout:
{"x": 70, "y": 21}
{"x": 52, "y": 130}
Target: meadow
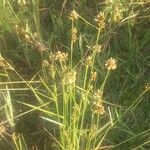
{"x": 74, "y": 75}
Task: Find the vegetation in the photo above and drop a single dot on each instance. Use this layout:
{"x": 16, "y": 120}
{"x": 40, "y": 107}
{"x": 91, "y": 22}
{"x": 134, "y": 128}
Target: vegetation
{"x": 74, "y": 75}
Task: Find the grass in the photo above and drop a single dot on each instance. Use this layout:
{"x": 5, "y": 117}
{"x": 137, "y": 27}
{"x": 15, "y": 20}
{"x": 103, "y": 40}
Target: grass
{"x": 74, "y": 75}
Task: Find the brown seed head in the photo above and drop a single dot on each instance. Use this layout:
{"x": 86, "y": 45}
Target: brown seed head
{"x": 40, "y": 46}
{"x": 2, "y": 129}
{"x": 98, "y": 108}
{"x": 100, "y": 19}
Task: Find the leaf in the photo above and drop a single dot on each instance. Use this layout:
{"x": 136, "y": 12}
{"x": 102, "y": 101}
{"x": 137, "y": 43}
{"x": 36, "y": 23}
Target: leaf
{"x": 52, "y": 121}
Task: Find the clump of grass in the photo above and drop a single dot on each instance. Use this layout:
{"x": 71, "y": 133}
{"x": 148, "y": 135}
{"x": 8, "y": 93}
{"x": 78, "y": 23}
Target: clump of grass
{"x": 72, "y": 91}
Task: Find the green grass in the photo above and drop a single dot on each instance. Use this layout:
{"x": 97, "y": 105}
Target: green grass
{"x": 59, "y": 89}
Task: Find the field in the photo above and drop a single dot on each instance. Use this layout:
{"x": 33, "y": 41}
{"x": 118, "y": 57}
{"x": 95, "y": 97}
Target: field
{"x": 74, "y": 75}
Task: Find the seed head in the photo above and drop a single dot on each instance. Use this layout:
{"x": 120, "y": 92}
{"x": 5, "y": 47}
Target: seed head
{"x": 41, "y": 47}
{"x": 45, "y": 63}
{"x": 147, "y": 87}
{"x": 88, "y": 60}
{"x": 27, "y": 38}
{"x": 98, "y": 108}
{"x": 93, "y": 131}
{"x": 93, "y": 76}
{"x": 69, "y": 77}
{"x": 98, "y": 94}
{"x": 73, "y": 15}
{"x": 117, "y": 14}
{"x": 74, "y": 34}
{"x": 22, "y": 2}
{"x": 100, "y": 19}
{"x": 2, "y": 129}
{"x": 97, "y": 48}
{"x": 111, "y": 64}
{"x": 61, "y": 56}
{"x": 51, "y": 56}
{"x": 108, "y": 1}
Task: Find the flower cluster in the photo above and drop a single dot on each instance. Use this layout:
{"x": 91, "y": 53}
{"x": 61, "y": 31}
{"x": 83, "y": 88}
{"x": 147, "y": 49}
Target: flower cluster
{"x": 32, "y": 41}
{"x": 108, "y": 1}
{"x": 45, "y": 63}
{"x": 98, "y": 107}
{"x": 117, "y": 14}
{"x": 22, "y": 2}
{"x": 111, "y": 64}
{"x": 97, "y": 48}
{"x": 61, "y": 56}
{"x": 69, "y": 77}
{"x": 74, "y": 34}
{"x": 88, "y": 60}
{"x": 98, "y": 94}
{"x": 73, "y": 15}
{"x": 100, "y": 19}
{"x": 58, "y": 56}
{"x": 2, "y": 130}
{"x": 93, "y": 76}
{"x": 147, "y": 87}
{"x": 40, "y": 46}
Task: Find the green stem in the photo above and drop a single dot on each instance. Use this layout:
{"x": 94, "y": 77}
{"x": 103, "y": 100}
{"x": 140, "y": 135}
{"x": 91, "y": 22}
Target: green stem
{"x": 104, "y": 82}
{"x": 72, "y": 46}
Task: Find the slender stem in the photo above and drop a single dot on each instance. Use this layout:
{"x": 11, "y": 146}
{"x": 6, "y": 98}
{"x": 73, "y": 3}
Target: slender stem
{"x": 104, "y": 82}
{"x": 94, "y": 53}
{"x": 88, "y": 22}
{"x": 72, "y": 45}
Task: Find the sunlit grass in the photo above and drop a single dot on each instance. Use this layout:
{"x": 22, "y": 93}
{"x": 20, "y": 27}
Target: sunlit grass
{"x": 74, "y": 79}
